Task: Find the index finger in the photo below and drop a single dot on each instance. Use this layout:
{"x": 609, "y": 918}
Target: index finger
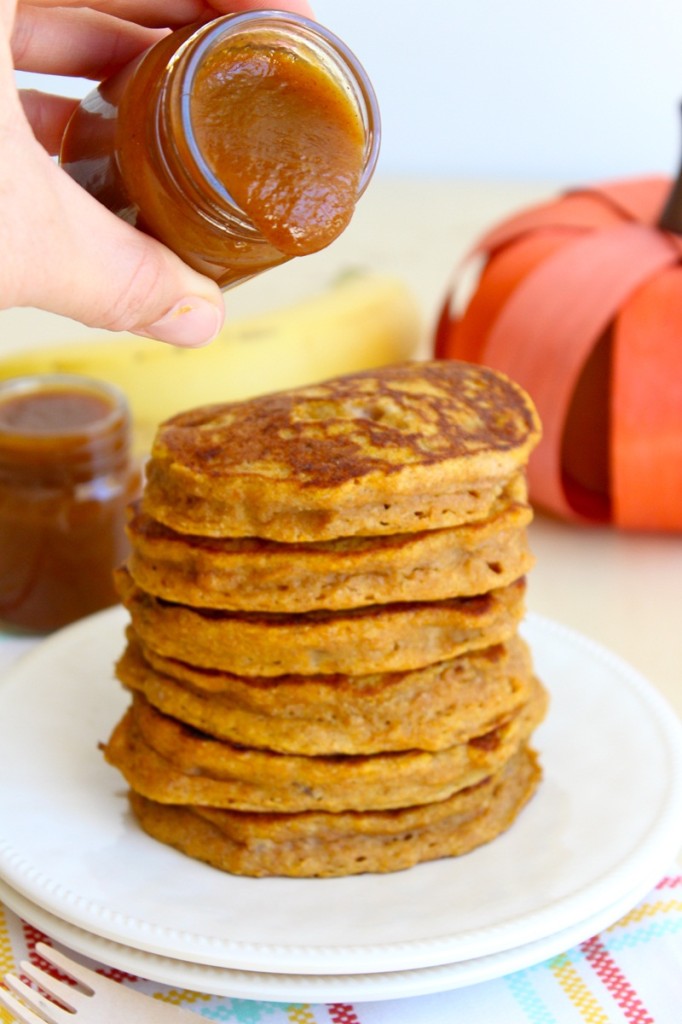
{"x": 150, "y": 13}
{"x": 72, "y": 38}
{"x": 73, "y": 42}
{"x": 174, "y": 13}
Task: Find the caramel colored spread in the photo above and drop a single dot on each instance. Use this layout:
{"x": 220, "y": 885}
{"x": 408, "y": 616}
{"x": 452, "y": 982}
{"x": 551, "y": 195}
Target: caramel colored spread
{"x": 52, "y": 412}
{"x": 283, "y": 139}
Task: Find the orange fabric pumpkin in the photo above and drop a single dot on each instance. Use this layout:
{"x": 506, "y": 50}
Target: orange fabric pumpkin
{"x": 580, "y": 301}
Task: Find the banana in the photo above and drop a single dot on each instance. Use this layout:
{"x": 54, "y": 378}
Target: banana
{"x": 359, "y": 322}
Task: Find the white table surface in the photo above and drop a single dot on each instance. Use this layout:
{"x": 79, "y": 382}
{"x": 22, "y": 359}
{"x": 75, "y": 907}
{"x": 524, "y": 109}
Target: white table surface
{"x": 622, "y": 589}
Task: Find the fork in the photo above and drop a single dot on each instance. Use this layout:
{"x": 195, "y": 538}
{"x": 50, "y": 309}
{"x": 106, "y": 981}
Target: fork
{"x": 104, "y": 1002}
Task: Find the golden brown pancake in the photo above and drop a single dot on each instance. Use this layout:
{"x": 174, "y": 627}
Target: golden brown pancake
{"x": 251, "y": 574}
{"x": 397, "y": 449}
{"x": 379, "y": 638}
{"x": 170, "y": 762}
{"x": 428, "y": 709}
{"x": 317, "y": 844}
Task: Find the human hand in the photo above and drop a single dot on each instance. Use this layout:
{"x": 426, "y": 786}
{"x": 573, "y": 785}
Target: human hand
{"x": 60, "y": 249}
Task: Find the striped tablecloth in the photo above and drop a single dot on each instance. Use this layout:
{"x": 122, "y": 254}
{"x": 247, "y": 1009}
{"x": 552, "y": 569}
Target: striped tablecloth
{"x": 630, "y": 973}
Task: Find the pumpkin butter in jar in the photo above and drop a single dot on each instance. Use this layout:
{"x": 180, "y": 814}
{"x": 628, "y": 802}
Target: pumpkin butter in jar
{"x": 66, "y": 479}
{"x": 239, "y": 143}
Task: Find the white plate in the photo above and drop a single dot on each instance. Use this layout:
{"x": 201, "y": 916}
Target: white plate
{"x": 607, "y": 820}
{"x": 312, "y": 988}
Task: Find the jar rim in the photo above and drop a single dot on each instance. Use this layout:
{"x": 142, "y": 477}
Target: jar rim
{"x": 50, "y": 382}
{"x": 199, "y": 43}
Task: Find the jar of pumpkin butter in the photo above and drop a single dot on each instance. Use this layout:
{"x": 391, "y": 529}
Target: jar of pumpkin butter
{"x": 239, "y": 143}
{"x": 66, "y": 478}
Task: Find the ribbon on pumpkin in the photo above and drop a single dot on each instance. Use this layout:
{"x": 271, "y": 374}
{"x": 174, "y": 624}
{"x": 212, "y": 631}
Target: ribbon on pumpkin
{"x": 638, "y": 199}
{"x": 646, "y": 431}
{"x": 556, "y": 277}
{"x": 582, "y": 209}
{"x": 542, "y": 341}
{"x": 497, "y": 282}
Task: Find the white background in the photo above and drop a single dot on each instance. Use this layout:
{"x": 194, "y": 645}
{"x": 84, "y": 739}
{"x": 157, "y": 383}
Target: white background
{"x": 539, "y": 89}
{"x": 518, "y": 89}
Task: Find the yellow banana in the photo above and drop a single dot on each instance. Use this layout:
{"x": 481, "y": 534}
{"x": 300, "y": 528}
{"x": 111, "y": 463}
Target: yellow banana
{"x": 361, "y": 321}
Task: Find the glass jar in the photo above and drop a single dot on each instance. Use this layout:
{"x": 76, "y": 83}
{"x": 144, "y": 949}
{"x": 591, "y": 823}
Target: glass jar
{"x": 66, "y": 479}
{"x": 239, "y": 143}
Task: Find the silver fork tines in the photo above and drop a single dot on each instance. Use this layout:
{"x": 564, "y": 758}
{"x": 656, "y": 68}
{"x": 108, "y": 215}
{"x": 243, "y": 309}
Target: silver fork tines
{"x": 103, "y": 1002}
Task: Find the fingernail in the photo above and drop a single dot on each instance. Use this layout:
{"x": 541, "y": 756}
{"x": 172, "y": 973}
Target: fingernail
{"x": 192, "y": 322}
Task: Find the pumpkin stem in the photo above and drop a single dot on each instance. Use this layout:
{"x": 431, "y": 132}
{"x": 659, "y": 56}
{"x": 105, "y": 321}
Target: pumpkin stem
{"x": 671, "y": 216}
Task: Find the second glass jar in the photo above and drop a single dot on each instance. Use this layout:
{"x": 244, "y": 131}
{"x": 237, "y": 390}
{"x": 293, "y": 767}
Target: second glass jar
{"x": 67, "y": 477}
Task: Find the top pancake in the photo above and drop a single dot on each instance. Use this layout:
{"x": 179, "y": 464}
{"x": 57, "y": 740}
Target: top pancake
{"x": 397, "y": 449}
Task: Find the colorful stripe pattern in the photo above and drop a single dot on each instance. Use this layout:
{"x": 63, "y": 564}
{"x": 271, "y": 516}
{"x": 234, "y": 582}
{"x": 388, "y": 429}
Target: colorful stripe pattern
{"x": 631, "y": 973}
{"x": 597, "y": 977}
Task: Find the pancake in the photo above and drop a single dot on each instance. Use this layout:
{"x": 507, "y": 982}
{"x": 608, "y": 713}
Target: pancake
{"x": 170, "y": 762}
{"x": 315, "y": 844}
{"x": 428, "y": 709}
{"x": 398, "y": 449}
{"x": 379, "y": 638}
{"x": 251, "y": 574}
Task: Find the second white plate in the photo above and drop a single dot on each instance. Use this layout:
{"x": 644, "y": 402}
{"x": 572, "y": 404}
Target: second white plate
{"x": 311, "y": 988}
{"x": 606, "y": 821}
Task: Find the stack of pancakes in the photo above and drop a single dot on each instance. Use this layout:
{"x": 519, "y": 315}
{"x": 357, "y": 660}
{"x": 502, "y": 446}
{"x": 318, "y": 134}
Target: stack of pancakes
{"x": 324, "y": 588}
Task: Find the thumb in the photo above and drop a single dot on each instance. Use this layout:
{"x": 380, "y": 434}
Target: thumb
{"x": 67, "y": 254}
